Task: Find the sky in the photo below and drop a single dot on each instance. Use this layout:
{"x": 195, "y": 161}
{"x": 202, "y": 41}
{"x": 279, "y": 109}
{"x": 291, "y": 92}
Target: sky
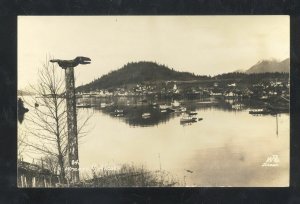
{"x": 204, "y": 45}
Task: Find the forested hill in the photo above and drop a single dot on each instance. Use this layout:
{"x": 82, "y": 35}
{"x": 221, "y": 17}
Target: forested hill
{"x": 138, "y": 72}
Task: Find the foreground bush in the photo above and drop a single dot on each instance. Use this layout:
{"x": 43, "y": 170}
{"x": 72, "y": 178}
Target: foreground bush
{"x": 129, "y": 176}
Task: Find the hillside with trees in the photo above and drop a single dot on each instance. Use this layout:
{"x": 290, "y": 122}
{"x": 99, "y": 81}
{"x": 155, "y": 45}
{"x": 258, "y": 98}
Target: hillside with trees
{"x": 151, "y": 72}
{"x": 139, "y": 72}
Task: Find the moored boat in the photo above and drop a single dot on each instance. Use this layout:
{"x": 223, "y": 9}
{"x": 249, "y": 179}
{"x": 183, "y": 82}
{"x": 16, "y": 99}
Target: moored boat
{"x": 103, "y": 105}
{"x": 146, "y": 115}
{"x": 192, "y": 113}
{"x": 175, "y": 104}
{"x": 261, "y": 111}
{"x": 187, "y": 119}
{"x": 83, "y": 105}
{"x": 178, "y": 109}
{"x": 118, "y": 113}
{"x": 163, "y": 107}
{"x": 237, "y": 106}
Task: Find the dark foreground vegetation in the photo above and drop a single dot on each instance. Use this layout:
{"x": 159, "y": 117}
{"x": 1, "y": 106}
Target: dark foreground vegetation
{"x": 130, "y": 176}
{"x": 32, "y": 175}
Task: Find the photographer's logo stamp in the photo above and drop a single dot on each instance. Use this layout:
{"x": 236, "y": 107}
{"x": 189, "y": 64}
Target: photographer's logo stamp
{"x": 272, "y": 161}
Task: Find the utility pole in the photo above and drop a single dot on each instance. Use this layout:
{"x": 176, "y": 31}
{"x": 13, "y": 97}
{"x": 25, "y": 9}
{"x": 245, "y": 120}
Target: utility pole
{"x": 68, "y": 66}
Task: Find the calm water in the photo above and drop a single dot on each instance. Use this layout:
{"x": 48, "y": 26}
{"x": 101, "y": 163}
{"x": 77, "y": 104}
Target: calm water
{"x": 226, "y": 148}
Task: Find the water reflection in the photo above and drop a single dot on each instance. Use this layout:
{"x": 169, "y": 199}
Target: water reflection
{"x": 140, "y": 111}
{"x": 133, "y": 115}
{"x": 226, "y": 148}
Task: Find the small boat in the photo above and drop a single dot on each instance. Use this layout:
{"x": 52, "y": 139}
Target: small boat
{"x": 206, "y": 102}
{"x": 82, "y": 105}
{"x": 237, "y": 106}
{"x": 178, "y": 110}
{"x": 264, "y": 97}
{"x": 146, "y": 115}
{"x": 102, "y": 105}
{"x": 260, "y": 112}
{"x": 154, "y": 105}
{"x": 192, "y": 113}
{"x": 163, "y": 110}
{"x": 188, "y": 119}
{"x": 163, "y": 107}
{"x": 182, "y": 109}
{"x": 119, "y": 111}
{"x": 175, "y": 104}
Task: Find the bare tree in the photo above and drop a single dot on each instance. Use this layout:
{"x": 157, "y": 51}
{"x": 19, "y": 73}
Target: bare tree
{"x": 46, "y": 122}
{"x": 50, "y": 163}
{"x": 22, "y": 140}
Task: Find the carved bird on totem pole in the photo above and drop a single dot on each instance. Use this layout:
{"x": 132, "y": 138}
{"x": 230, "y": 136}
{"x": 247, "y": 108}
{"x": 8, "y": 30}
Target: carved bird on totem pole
{"x": 72, "y": 63}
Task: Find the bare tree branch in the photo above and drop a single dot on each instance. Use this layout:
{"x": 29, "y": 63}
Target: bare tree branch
{"x": 46, "y": 122}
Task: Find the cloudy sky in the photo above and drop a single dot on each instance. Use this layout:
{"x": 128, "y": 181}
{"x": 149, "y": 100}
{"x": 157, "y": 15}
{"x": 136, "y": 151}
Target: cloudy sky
{"x": 199, "y": 44}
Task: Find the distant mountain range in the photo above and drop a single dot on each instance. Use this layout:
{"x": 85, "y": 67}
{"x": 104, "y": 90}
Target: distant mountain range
{"x": 270, "y": 66}
{"x": 139, "y": 72}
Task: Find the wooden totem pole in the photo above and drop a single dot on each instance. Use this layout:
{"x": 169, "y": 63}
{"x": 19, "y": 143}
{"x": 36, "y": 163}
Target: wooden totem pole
{"x": 68, "y": 66}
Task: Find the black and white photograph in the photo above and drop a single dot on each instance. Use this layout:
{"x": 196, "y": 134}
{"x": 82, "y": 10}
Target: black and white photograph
{"x": 153, "y": 101}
